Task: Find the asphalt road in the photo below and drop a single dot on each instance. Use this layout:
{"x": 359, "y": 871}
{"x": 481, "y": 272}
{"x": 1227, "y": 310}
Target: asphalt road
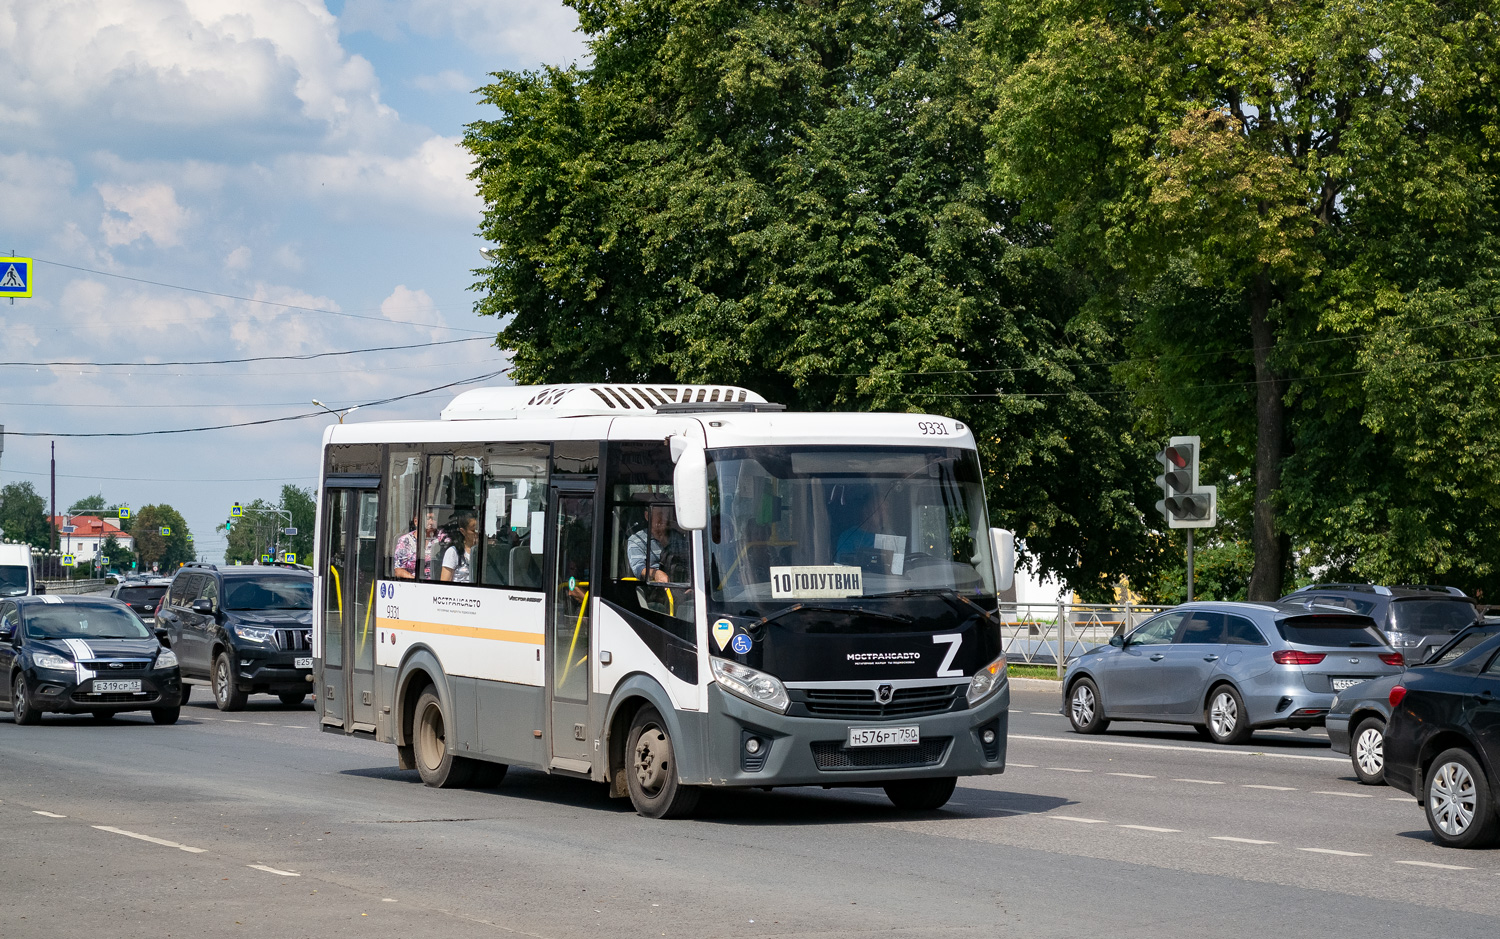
{"x": 257, "y": 824}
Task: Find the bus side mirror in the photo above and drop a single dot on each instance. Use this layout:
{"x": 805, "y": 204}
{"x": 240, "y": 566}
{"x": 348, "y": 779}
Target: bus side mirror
{"x": 690, "y": 488}
{"x": 1003, "y": 543}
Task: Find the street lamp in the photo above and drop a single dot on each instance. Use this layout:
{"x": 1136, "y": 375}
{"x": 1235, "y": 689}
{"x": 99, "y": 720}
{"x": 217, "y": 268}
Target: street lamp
{"x": 338, "y": 414}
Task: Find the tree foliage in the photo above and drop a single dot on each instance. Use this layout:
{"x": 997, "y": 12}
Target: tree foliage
{"x": 794, "y": 196}
{"x": 88, "y": 505}
{"x": 23, "y": 515}
{"x": 168, "y": 552}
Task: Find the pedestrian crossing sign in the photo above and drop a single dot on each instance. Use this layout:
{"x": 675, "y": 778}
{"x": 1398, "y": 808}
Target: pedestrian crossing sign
{"x": 265, "y": 559}
{"x": 291, "y": 558}
{"x": 236, "y": 511}
{"x": 166, "y": 530}
{"x": 124, "y": 513}
{"x": 69, "y": 560}
{"x": 15, "y": 277}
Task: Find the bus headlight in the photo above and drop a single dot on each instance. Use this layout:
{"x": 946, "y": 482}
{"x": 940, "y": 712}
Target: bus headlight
{"x": 751, "y": 684}
{"x": 986, "y": 681}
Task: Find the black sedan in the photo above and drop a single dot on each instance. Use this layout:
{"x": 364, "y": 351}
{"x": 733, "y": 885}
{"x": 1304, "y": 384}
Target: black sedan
{"x": 1443, "y": 744}
{"x": 83, "y": 655}
{"x": 1356, "y": 721}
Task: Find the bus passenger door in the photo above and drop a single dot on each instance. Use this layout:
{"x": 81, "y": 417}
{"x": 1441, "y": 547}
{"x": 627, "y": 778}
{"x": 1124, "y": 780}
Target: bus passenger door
{"x": 569, "y": 626}
{"x": 348, "y": 685}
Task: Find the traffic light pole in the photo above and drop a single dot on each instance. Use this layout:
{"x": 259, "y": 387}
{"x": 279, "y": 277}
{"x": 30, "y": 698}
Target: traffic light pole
{"x": 1190, "y": 566}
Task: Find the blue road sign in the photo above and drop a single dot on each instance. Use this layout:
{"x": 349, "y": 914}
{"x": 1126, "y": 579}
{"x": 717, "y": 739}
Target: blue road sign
{"x": 15, "y": 277}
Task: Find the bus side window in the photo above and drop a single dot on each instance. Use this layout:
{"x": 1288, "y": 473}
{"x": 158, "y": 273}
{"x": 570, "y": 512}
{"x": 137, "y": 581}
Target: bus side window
{"x": 403, "y": 476}
{"x": 454, "y": 500}
{"x": 648, "y": 556}
{"x": 514, "y": 515}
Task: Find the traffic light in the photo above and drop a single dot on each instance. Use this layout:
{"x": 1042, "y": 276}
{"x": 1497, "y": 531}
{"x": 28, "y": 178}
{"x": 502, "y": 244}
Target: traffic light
{"x": 1184, "y": 503}
{"x": 229, "y": 525}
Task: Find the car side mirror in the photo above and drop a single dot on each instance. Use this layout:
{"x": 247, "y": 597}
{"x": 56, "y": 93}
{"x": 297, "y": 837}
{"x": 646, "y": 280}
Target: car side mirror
{"x": 1117, "y": 641}
{"x": 206, "y": 607}
{"x": 41, "y": 587}
{"x": 6, "y": 634}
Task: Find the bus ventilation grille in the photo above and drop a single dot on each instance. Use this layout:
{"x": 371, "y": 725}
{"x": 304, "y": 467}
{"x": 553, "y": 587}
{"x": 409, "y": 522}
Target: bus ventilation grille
{"x": 832, "y": 755}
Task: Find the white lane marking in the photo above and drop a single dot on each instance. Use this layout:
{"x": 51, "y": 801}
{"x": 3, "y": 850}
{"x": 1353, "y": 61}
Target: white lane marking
{"x": 1331, "y": 851}
{"x": 1401, "y": 799}
{"x": 304, "y": 727}
{"x": 47, "y": 814}
{"x": 1240, "y": 840}
{"x": 1022, "y": 765}
{"x": 263, "y": 724}
{"x": 1272, "y": 788}
{"x": 1131, "y": 775}
{"x": 1441, "y": 867}
{"x": 164, "y": 843}
{"x": 1164, "y": 746}
{"x": 1347, "y": 795}
{"x": 272, "y": 870}
{"x": 1201, "y": 782}
{"x": 232, "y": 720}
{"x": 1173, "y": 831}
{"x": 1074, "y": 818}
{"x": 1069, "y": 769}
{"x": 1046, "y": 714}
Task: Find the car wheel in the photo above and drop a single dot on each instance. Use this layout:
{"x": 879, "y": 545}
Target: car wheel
{"x": 651, "y": 770}
{"x": 226, "y": 696}
{"x": 1226, "y": 718}
{"x": 1085, "y": 710}
{"x": 187, "y": 691}
{"x": 22, "y": 709}
{"x": 1367, "y": 751}
{"x": 921, "y": 795}
{"x": 1460, "y": 809}
{"x": 439, "y": 768}
{"x": 166, "y": 715}
{"x": 292, "y": 698}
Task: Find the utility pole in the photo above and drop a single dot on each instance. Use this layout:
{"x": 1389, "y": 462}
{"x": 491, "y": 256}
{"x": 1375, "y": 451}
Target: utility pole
{"x": 52, "y": 519}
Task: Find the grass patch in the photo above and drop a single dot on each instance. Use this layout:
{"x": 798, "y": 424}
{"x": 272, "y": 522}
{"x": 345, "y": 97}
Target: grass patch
{"x": 1032, "y": 671}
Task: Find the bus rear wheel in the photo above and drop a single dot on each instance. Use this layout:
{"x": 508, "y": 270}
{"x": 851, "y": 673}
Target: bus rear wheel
{"x": 651, "y": 769}
{"x": 921, "y": 795}
{"x": 438, "y": 767}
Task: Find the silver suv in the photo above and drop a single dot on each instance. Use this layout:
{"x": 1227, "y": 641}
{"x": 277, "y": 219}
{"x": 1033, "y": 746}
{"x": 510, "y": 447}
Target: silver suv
{"x": 1416, "y": 619}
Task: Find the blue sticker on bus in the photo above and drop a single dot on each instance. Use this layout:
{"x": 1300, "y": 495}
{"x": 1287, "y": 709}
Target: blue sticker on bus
{"x": 741, "y": 644}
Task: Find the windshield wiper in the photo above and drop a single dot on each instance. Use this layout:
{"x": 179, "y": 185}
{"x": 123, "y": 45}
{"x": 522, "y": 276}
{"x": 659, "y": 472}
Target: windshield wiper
{"x": 947, "y": 593}
{"x": 856, "y": 610}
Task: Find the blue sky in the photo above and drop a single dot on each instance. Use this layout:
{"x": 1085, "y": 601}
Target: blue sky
{"x": 292, "y": 151}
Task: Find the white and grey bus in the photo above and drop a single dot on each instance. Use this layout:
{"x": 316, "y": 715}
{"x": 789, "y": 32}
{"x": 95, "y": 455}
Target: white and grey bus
{"x": 663, "y": 588}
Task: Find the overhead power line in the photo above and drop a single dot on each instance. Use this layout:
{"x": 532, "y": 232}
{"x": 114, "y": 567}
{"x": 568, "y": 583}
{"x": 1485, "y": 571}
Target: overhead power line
{"x": 259, "y": 423}
{"x": 254, "y": 358}
{"x": 230, "y": 296}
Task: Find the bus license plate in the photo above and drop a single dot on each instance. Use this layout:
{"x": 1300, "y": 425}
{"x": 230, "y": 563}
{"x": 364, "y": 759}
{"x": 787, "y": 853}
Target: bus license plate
{"x": 884, "y": 736}
{"x": 109, "y": 687}
{"x": 304, "y": 662}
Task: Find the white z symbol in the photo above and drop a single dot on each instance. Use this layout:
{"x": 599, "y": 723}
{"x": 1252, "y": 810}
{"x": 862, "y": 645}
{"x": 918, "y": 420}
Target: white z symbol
{"x": 954, "y": 640}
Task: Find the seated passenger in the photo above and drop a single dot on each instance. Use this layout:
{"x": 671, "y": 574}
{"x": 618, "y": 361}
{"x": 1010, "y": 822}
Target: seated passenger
{"x": 457, "y": 559}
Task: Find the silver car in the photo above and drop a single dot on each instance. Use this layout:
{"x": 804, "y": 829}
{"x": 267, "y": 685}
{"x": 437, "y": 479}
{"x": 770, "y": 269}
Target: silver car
{"x": 1226, "y": 669}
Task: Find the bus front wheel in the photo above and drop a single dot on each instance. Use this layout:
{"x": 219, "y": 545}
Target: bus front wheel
{"x": 438, "y": 767}
{"x": 651, "y": 770}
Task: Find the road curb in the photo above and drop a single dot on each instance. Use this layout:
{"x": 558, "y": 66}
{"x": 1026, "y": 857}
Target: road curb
{"x": 1036, "y": 683}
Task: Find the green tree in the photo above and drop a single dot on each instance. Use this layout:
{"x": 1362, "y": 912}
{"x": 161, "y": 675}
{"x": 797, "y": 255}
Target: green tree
{"x": 250, "y": 535}
{"x": 169, "y": 551}
{"x": 1234, "y": 172}
{"x": 117, "y": 555}
{"x": 304, "y": 510}
{"x": 88, "y": 505}
{"x": 23, "y": 515}
{"x": 794, "y": 196}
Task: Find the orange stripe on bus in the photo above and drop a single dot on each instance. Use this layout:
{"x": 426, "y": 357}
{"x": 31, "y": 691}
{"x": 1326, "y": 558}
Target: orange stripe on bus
{"x": 468, "y": 632}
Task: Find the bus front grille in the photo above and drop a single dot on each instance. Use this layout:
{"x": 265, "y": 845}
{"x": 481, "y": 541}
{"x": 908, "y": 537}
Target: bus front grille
{"x": 859, "y": 703}
{"x": 832, "y": 755}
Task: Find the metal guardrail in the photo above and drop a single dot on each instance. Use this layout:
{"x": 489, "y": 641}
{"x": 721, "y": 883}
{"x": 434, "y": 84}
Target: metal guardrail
{"x": 1032, "y": 633}
{"x": 75, "y": 586}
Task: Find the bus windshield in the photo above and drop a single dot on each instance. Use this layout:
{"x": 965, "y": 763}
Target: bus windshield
{"x": 788, "y": 524}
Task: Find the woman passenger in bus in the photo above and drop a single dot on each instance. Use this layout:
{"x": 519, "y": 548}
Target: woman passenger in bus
{"x": 457, "y": 566}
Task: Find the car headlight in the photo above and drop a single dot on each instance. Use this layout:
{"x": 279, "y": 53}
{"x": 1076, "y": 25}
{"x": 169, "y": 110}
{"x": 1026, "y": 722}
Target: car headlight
{"x": 48, "y": 660}
{"x": 166, "y": 658}
{"x": 255, "y": 634}
{"x": 986, "y": 681}
{"x": 751, "y": 684}
{"x": 1335, "y": 703}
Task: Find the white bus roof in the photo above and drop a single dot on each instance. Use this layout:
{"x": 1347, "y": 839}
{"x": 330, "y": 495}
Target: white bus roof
{"x": 589, "y": 400}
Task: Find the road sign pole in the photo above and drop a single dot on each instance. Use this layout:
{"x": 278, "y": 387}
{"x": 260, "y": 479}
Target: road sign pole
{"x": 1190, "y": 566}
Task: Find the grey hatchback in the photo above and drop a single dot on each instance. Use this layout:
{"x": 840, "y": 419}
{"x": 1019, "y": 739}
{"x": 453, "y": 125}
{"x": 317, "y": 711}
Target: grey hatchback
{"x": 1226, "y": 669}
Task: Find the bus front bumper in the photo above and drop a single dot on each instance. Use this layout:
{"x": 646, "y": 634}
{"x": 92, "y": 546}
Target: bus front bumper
{"x": 805, "y": 751}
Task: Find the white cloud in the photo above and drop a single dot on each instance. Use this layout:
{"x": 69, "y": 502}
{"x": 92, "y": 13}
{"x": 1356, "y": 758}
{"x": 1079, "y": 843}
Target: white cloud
{"x": 288, "y": 258}
{"x": 132, "y": 212}
{"x": 433, "y": 179}
{"x": 534, "y": 31}
{"x": 238, "y": 259}
{"x": 34, "y": 190}
{"x": 446, "y": 80}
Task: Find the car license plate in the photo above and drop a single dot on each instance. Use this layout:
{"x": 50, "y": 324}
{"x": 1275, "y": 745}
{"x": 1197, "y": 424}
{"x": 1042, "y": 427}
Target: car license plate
{"x": 883, "y": 736}
{"x": 108, "y": 687}
{"x": 1339, "y": 684}
{"x": 304, "y": 662}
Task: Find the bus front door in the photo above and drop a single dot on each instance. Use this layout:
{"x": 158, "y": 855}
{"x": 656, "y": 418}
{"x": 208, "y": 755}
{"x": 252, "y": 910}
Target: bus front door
{"x": 347, "y": 688}
{"x": 570, "y": 626}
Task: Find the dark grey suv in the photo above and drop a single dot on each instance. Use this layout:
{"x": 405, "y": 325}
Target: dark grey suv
{"x": 247, "y": 630}
{"x": 1417, "y": 619}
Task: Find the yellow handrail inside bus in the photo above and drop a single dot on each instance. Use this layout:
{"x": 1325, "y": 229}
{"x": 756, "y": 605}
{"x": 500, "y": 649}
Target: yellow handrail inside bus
{"x": 577, "y": 627}
{"x": 338, "y": 592}
{"x": 364, "y": 634}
